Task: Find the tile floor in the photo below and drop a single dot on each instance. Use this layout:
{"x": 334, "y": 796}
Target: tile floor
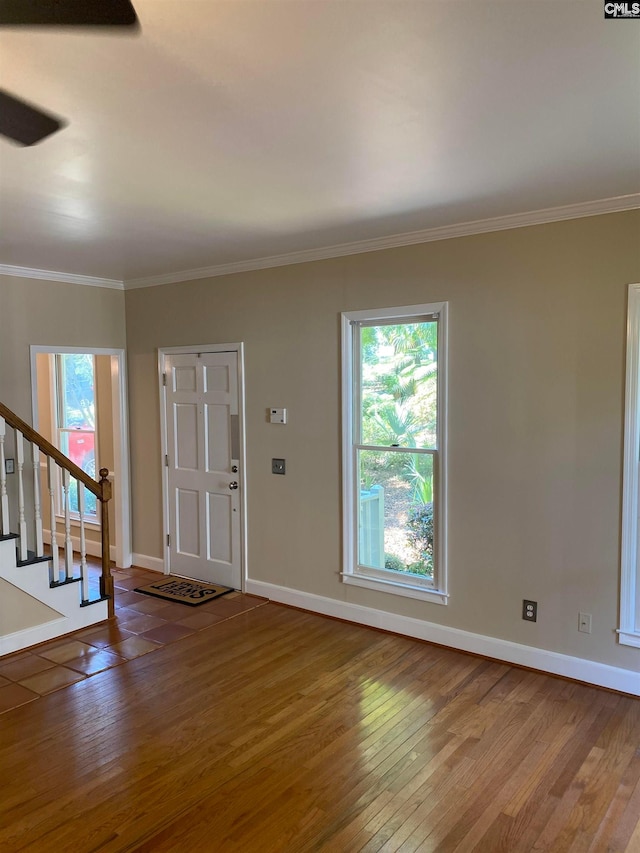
{"x": 142, "y": 625}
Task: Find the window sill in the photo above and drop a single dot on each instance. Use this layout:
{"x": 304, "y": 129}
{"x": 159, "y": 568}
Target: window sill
{"x": 75, "y": 521}
{"x": 629, "y": 638}
{"x": 395, "y": 588}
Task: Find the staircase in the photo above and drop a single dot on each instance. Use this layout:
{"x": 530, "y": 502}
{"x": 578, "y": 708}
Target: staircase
{"x": 45, "y": 595}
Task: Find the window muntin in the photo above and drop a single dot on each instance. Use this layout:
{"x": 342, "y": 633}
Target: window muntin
{"x": 393, "y": 428}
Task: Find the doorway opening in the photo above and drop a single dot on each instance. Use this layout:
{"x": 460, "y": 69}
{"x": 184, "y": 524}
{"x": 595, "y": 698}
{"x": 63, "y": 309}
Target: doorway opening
{"x": 79, "y": 403}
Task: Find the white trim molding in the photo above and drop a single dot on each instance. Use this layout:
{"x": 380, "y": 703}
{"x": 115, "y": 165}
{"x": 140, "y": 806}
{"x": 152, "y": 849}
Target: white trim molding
{"x": 65, "y": 277}
{"x": 393, "y": 241}
{"x": 398, "y": 588}
{"x": 553, "y": 663}
{"x": 381, "y": 579}
{"x": 629, "y": 631}
{"x": 91, "y": 546}
{"x": 154, "y": 564}
{"x": 598, "y": 207}
{"x": 120, "y": 427}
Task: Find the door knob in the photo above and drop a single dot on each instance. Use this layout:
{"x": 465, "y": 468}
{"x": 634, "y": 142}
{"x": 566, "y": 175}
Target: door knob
{"x": 233, "y": 485}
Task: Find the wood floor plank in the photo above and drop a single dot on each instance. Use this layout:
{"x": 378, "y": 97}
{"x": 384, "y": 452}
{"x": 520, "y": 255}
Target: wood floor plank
{"x": 281, "y": 730}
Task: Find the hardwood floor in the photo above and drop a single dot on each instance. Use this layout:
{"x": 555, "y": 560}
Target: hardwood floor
{"x": 280, "y": 730}
{"x": 141, "y": 626}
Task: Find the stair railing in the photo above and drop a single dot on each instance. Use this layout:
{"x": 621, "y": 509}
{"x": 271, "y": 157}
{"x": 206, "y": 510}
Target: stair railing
{"x": 101, "y": 489}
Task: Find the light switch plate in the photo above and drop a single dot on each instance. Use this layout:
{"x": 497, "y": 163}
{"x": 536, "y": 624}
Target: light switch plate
{"x": 277, "y": 416}
{"x": 584, "y": 623}
{"x": 9, "y": 466}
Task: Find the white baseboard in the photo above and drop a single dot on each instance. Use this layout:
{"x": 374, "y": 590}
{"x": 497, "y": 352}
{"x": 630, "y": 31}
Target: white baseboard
{"x": 93, "y": 549}
{"x": 154, "y": 564}
{"x": 578, "y": 669}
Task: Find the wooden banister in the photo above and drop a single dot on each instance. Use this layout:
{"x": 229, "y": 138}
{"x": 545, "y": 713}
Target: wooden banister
{"x": 49, "y": 450}
{"x": 101, "y": 489}
{"x": 106, "y": 579}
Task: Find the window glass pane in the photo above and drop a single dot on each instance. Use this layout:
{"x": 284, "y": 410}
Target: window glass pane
{"x": 77, "y": 403}
{"x": 76, "y": 420}
{"x": 398, "y": 384}
{"x": 80, "y": 448}
{"x": 395, "y": 512}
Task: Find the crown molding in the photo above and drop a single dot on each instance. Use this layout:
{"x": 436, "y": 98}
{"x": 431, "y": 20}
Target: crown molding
{"x": 428, "y": 235}
{"x": 66, "y": 277}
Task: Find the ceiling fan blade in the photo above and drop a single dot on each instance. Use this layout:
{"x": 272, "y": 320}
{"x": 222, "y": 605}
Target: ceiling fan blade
{"x": 67, "y": 13}
{"x": 23, "y": 123}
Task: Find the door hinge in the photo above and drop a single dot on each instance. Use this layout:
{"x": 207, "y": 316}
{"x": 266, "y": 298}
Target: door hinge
{"x": 166, "y": 459}
{"x": 164, "y": 379}
{"x": 168, "y": 540}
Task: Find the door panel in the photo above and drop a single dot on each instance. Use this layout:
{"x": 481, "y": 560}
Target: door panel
{"x": 186, "y": 436}
{"x": 220, "y": 524}
{"x": 204, "y": 496}
{"x": 187, "y": 518}
{"x": 215, "y": 378}
{"x": 184, "y": 378}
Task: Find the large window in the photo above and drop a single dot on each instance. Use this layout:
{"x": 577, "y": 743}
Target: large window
{"x": 75, "y": 410}
{"x": 393, "y": 458}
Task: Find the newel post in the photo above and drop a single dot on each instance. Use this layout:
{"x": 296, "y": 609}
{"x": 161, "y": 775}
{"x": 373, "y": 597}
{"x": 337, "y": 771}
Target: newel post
{"x": 106, "y": 581}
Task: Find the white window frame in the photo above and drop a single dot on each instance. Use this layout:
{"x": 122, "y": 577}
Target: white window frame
{"x": 90, "y": 519}
{"x": 629, "y": 630}
{"x": 388, "y": 581}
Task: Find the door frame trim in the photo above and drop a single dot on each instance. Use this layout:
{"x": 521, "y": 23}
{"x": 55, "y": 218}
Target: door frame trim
{"x": 163, "y": 352}
{"x": 120, "y": 428}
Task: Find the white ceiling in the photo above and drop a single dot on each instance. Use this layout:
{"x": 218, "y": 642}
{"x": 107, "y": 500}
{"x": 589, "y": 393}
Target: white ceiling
{"x": 241, "y": 129}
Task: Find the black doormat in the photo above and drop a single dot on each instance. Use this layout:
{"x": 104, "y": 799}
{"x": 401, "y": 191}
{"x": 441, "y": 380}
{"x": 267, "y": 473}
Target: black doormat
{"x": 184, "y": 591}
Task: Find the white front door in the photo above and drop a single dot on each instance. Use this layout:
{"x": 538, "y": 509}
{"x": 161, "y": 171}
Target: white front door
{"x": 203, "y": 459}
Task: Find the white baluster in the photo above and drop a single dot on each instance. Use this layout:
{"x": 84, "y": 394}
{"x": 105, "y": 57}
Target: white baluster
{"x": 51, "y": 485}
{"x": 68, "y": 544}
{"x": 36, "y": 500}
{"x": 84, "y": 574}
{"x": 22, "y": 524}
{"x": 4, "y": 498}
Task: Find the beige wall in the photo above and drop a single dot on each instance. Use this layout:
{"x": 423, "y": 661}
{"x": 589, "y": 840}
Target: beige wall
{"x": 537, "y": 335}
{"x": 51, "y": 313}
{"x": 19, "y": 610}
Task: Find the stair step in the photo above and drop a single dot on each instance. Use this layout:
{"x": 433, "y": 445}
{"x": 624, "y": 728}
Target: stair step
{"x": 94, "y": 601}
{"x": 66, "y": 581}
{"x": 31, "y": 559}
{"x": 3, "y": 538}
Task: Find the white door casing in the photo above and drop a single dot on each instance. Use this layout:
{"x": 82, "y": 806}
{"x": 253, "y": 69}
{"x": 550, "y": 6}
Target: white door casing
{"x": 122, "y": 553}
{"x": 203, "y": 456}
